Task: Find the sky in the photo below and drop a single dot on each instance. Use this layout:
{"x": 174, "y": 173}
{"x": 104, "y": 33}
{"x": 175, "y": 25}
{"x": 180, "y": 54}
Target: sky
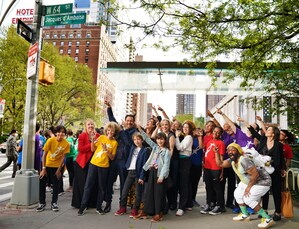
{"x": 164, "y": 99}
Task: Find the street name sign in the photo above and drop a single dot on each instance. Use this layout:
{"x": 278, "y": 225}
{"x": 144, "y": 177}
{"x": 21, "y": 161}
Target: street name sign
{"x": 32, "y": 60}
{"x": 59, "y": 9}
{"x": 65, "y": 19}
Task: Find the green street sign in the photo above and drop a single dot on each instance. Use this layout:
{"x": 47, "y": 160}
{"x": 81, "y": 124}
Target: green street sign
{"x": 59, "y": 9}
{"x": 65, "y": 19}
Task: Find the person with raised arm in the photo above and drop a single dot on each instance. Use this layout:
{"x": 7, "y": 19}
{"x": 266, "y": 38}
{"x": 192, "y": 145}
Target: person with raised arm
{"x": 254, "y": 183}
{"x": 158, "y": 166}
{"x": 269, "y": 145}
{"x": 118, "y": 165}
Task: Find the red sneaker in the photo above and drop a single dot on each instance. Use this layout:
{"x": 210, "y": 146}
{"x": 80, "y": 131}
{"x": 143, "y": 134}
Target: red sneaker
{"x": 134, "y": 213}
{"x": 121, "y": 211}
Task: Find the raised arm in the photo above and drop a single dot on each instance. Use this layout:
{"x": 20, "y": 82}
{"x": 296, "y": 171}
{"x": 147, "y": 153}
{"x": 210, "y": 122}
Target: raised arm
{"x": 228, "y": 120}
{"x": 163, "y": 112}
{"x": 261, "y": 123}
{"x": 109, "y": 112}
{"x": 213, "y": 119}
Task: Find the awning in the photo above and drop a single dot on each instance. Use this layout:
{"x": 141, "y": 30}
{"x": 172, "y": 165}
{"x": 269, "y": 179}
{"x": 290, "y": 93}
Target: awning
{"x": 173, "y": 76}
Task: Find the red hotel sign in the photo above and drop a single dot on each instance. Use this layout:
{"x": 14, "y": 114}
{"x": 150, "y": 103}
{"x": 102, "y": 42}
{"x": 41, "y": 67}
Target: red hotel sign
{"x": 26, "y": 15}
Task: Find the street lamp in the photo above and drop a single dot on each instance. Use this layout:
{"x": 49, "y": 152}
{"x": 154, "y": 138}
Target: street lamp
{"x": 2, "y": 86}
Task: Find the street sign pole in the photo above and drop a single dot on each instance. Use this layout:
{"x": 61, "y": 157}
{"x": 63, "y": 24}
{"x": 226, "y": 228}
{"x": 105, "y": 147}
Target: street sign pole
{"x": 26, "y": 185}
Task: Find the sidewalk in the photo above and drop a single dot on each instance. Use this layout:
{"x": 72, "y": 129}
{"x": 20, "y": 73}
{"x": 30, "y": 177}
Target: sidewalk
{"x": 67, "y": 218}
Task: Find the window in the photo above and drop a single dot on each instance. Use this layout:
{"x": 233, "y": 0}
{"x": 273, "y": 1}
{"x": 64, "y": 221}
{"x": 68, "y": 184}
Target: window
{"x": 62, "y": 35}
{"x": 86, "y": 51}
{"x": 71, "y": 35}
{"x": 55, "y": 36}
{"x": 77, "y": 51}
{"x": 88, "y": 35}
{"x": 61, "y": 51}
{"x": 86, "y": 59}
{"x": 77, "y": 43}
{"x": 70, "y": 43}
{"x": 87, "y": 43}
{"x": 62, "y": 43}
{"x": 78, "y": 35}
{"x": 54, "y": 43}
{"x": 76, "y": 58}
{"x": 47, "y": 36}
{"x": 69, "y": 51}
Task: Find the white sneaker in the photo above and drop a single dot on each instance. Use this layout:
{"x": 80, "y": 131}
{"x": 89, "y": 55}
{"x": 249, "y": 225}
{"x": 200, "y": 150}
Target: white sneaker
{"x": 179, "y": 212}
{"x": 241, "y": 217}
{"x": 266, "y": 223}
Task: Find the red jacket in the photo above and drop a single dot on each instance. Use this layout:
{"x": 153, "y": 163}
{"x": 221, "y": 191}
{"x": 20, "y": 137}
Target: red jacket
{"x": 84, "y": 149}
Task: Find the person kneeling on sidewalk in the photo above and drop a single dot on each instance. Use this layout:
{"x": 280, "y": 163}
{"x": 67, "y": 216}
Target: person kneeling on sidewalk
{"x": 255, "y": 182}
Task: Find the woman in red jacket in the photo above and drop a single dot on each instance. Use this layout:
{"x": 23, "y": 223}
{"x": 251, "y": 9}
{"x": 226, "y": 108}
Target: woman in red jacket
{"x": 81, "y": 165}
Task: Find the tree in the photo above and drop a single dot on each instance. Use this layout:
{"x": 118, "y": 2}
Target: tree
{"x": 259, "y": 37}
{"x": 71, "y": 99}
{"x": 13, "y": 63}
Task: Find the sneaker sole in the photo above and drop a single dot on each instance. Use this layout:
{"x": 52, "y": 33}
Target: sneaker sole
{"x": 156, "y": 221}
{"x": 40, "y": 210}
{"x": 55, "y": 210}
{"x": 142, "y": 217}
{"x": 242, "y": 220}
{"x": 116, "y": 214}
{"x": 213, "y": 213}
{"x": 269, "y": 225}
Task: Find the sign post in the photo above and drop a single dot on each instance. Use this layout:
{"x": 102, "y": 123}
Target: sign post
{"x": 26, "y": 185}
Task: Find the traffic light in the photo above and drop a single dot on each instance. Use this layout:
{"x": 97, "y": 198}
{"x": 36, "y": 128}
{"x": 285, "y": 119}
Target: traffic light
{"x": 46, "y": 73}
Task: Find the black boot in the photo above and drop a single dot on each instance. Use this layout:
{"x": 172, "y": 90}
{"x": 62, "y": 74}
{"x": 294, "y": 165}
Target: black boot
{"x": 107, "y": 208}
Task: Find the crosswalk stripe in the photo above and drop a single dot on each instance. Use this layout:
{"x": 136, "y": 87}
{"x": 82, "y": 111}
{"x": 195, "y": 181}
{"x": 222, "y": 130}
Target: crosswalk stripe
{"x": 6, "y": 196}
{"x": 6, "y": 177}
{"x": 6, "y": 184}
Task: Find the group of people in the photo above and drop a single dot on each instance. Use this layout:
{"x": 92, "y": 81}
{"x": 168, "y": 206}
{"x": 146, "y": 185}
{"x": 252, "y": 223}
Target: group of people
{"x": 159, "y": 166}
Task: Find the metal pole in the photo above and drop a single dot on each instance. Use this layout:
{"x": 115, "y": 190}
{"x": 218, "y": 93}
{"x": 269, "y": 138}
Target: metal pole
{"x": 26, "y": 185}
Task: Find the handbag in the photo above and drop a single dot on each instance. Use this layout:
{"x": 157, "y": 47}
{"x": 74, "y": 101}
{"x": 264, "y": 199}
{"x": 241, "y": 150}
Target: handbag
{"x": 286, "y": 203}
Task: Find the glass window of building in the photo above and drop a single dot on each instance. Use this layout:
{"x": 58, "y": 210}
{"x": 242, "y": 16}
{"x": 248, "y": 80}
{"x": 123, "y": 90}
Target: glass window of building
{"x": 62, "y": 35}
{"x": 70, "y": 43}
{"x": 78, "y": 35}
{"x": 55, "y": 36}
{"x": 76, "y": 58}
{"x": 61, "y": 43}
{"x": 77, "y": 43}
{"x": 54, "y": 43}
{"x": 88, "y": 35}
{"x": 71, "y": 35}
{"x": 86, "y": 59}
{"x": 61, "y": 51}
{"x": 87, "y": 43}
{"x": 77, "y": 51}
{"x": 69, "y": 51}
{"x": 47, "y": 36}
{"x": 86, "y": 51}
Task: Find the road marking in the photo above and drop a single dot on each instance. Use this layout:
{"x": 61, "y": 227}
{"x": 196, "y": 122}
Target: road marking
{"x": 5, "y": 197}
{"x": 6, "y": 184}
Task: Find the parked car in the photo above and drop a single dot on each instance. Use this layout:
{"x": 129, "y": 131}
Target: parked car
{"x": 3, "y": 147}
